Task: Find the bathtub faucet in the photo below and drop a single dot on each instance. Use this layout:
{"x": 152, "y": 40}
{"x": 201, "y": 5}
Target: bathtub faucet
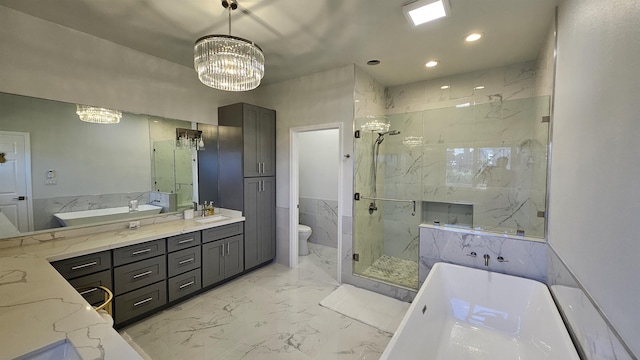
{"x": 486, "y": 259}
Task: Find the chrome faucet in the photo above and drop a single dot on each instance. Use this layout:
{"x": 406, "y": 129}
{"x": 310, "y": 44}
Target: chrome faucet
{"x": 486, "y": 259}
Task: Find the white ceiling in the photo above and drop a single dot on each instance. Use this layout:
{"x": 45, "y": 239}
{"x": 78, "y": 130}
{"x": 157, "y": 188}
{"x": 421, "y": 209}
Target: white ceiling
{"x": 301, "y": 37}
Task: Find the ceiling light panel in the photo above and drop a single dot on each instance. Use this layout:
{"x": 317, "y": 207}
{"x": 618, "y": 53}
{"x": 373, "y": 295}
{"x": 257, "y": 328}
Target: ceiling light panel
{"x": 422, "y": 11}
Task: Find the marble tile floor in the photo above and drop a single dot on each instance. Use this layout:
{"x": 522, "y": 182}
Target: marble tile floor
{"x": 394, "y": 270}
{"x": 271, "y": 313}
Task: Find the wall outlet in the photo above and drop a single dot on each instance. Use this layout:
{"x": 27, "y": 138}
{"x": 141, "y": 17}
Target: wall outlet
{"x": 134, "y": 224}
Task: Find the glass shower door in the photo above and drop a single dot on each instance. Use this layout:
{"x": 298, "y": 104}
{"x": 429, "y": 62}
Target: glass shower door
{"x": 387, "y": 178}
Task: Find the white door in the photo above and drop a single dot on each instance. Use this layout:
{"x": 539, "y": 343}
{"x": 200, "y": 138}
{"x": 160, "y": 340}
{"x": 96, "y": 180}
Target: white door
{"x": 15, "y": 180}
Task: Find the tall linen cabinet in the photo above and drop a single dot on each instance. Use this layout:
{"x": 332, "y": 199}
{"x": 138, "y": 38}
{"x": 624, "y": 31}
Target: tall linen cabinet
{"x": 247, "y": 153}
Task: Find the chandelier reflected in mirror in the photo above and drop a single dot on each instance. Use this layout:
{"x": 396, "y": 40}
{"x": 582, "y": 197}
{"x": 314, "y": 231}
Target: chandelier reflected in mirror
{"x": 226, "y": 62}
{"x": 98, "y": 115}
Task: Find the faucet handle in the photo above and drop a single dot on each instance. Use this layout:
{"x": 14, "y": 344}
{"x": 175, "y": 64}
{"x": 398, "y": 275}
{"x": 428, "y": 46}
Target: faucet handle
{"x": 472, "y": 254}
{"x": 501, "y": 259}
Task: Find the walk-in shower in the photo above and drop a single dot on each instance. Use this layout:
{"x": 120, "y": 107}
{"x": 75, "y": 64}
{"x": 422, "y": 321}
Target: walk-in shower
{"x": 480, "y": 167}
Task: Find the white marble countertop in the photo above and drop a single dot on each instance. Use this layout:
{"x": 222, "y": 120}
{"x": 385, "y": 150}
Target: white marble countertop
{"x": 39, "y": 308}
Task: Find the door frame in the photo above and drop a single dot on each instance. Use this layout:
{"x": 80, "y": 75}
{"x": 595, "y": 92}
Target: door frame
{"x": 294, "y": 187}
{"x": 27, "y": 173}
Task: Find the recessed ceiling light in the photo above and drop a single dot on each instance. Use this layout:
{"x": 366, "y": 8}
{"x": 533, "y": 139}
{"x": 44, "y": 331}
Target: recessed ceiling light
{"x": 479, "y": 87}
{"x": 473, "y": 37}
{"x": 373, "y": 62}
{"x": 422, "y": 11}
{"x": 432, "y": 63}
{"x": 444, "y": 87}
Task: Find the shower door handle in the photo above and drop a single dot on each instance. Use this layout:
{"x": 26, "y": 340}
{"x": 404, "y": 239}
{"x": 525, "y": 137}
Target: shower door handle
{"x": 413, "y": 213}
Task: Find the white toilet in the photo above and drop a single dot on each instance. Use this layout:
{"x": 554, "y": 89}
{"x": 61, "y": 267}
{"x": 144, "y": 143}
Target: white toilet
{"x": 304, "y": 232}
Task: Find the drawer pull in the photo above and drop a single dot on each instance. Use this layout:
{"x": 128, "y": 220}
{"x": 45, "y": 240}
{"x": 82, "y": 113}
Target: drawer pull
{"x": 139, "y": 252}
{"x": 84, "y": 265}
{"x": 186, "y": 261}
{"x": 143, "y": 301}
{"x": 143, "y": 274}
{"x": 88, "y": 291}
{"x": 185, "y": 241}
{"x": 187, "y": 284}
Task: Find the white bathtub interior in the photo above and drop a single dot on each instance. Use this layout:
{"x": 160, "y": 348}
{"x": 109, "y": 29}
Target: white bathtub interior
{"x": 465, "y": 313}
{"x": 101, "y": 215}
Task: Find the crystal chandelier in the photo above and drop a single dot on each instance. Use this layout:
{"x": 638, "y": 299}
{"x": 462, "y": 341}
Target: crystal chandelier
{"x": 226, "y": 62}
{"x": 376, "y": 124}
{"x": 98, "y": 115}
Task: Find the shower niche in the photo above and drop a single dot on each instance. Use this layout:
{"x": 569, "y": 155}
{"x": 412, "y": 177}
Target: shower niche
{"x": 447, "y": 214}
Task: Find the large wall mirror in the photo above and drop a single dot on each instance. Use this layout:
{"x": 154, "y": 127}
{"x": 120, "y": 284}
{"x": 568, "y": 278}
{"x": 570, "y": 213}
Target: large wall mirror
{"x": 55, "y": 163}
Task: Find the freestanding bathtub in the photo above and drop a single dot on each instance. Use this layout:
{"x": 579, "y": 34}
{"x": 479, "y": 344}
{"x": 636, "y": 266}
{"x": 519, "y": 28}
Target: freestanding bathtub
{"x": 101, "y": 215}
{"x": 465, "y": 313}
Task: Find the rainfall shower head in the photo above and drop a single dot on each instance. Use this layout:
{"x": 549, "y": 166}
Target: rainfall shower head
{"x": 390, "y": 132}
{"x": 381, "y": 135}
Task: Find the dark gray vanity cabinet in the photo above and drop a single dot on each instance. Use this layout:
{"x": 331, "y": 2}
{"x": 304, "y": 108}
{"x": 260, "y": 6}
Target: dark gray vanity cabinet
{"x": 184, "y": 265}
{"x": 139, "y": 279}
{"x": 222, "y": 253}
{"x": 247, "y": 175}
{"x": 145, "y": 277}
{"x": 259, "y": 232}
{"x": 87, "y": 272}
{"x": 255, "y": 127}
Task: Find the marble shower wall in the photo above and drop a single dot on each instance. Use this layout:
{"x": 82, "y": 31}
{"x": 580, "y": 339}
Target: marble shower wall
{"x": 523, "y": 257}
{"x": 43, "y": 209}
{"x": 322, "y": 217}
{"x": 516, "y": 81}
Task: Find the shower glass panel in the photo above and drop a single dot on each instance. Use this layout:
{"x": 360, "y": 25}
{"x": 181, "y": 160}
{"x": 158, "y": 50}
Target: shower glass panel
{"x": 482, "y": 167}
{"x": 173, "y": 171}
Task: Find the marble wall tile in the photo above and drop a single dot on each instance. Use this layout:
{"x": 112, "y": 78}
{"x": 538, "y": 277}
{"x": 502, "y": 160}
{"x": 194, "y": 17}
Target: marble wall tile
{"x": 523, "y": 257}
{"x": 503, "y": 83}
{"x": 322, "y": 217}
{"x": 592, "y": 332}
{"x": 282, "y": 236}
{"x": 43, "y": 209}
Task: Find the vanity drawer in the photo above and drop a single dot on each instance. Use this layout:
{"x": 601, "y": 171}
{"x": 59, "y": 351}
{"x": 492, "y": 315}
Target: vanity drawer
{"x": 83, "y": 265}
{"x": 183, "y": 261}
{"x": 184, "y": 284}
{"x": 138, "y": 252}
{"x": 140, "y": 301}
{"x": 222, "y": 232}
{"x": 90, "y": 292}
{"x": 183, "y": 241}
{"x": 132, "y": 276}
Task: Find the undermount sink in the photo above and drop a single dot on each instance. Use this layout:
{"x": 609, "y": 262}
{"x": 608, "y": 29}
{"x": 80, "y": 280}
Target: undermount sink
{"x": 212, "y": 218}
{"x": 60, "y": 351}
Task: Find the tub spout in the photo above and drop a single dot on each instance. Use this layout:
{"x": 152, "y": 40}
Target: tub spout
{"x": 486, "y": 259}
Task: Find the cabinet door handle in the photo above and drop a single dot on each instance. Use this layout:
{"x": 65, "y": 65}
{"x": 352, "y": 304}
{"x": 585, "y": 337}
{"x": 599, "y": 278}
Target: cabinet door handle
{"x": 78, "y": 267}
{"x": 187, "y": 284}
{"x": 223, "y": 250}
{"x": 228, "y": 247}
{"x": 258, "y": 167}
{"x": 143, "y": 274}
{"x": 186, "y": 261}
{"x": 139, "y": 252}
{"x": 88, "y": 291}
{"x": 143, "y": 301}
{"x": 185, "y": 241}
